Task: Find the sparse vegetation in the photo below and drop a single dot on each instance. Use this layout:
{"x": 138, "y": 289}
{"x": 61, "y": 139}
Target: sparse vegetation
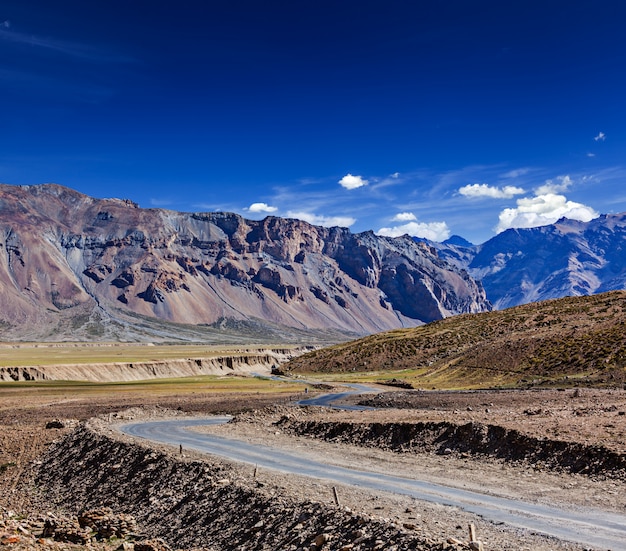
{"x": 198, "y": 386}
{"x": 561, "y": 342}
{"x": 5, "y": 466}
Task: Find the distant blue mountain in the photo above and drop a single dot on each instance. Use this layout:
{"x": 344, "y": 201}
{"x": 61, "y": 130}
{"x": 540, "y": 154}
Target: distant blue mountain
{"x": 567, "y": 258}
{"x": 458, "y": 241}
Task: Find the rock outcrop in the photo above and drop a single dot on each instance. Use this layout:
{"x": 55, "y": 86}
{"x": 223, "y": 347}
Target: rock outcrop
{"x": 101, "y": 266}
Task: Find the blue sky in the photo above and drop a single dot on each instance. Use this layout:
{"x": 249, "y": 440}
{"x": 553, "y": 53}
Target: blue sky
{"x": 422, "y": 117}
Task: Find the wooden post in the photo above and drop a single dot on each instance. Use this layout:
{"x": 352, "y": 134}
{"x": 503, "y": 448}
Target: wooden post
{"x": 255, "y": 470}
{"x": 336, "y": 495}
{"x": 474, "y": 544}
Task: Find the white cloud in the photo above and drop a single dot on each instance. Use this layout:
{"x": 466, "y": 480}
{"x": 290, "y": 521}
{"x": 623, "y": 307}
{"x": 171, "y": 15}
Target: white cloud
{"x": 404, "y": 217}
{"x": 261, "y": 207}
{"x": 321, "y": 220}
{"x": 395, "y": 175}
{"x": 542, "y": 210}
{"x": 600, "y": 137}
{"x": 561, "y": 184}
{"x": 435, "y": 231}
{"x": 591, "y": 154}
{"x": 352, "y": 182}
{"x": 484, "y": 190}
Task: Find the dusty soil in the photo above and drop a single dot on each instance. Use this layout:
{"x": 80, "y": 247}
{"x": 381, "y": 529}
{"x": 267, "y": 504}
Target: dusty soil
{"x": 24, "y": 436}
{"x": 585, "y": 417}
{"x": 593, "y": 417}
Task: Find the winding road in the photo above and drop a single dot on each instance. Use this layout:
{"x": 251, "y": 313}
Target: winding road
{"x": 592, "y": 527}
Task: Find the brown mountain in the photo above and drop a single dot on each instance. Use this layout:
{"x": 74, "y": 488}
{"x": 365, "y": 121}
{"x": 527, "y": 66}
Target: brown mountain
{"x": 75, "y": 267}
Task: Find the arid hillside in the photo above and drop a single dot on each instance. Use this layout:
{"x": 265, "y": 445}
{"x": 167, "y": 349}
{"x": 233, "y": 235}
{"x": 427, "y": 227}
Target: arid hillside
{"x": 565, "y": 341}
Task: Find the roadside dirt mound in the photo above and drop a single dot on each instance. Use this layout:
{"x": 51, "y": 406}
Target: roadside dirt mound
{"x": 192, "y": 503}
{"x": 467, "y": 439}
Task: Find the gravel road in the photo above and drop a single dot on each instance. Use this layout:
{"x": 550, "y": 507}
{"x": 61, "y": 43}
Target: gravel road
{"x": 597, "y": 528}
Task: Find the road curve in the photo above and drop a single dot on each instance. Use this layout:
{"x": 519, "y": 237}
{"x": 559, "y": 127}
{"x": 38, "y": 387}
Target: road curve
{"x": 590, "y": 527}
{"x": 331, "y": 399}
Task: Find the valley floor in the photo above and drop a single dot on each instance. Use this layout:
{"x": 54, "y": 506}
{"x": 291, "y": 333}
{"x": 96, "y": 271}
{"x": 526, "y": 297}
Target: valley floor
{"x": 587, "y": 418}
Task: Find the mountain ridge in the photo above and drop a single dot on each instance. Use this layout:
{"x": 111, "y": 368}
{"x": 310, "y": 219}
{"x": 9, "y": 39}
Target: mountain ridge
{"x": 567, "y": 258}
{"x": 75, "y": 266}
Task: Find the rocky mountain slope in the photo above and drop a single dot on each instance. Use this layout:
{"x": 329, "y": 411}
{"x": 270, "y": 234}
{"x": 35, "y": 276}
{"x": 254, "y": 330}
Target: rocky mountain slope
{"x": 569, "y": 341}
{"x": 75, "y": 267}
{"x": 568, "y": 258}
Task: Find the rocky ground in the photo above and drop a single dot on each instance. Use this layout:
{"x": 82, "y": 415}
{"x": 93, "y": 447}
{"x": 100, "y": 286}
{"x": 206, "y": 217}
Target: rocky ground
{"x": 272, "y": 511}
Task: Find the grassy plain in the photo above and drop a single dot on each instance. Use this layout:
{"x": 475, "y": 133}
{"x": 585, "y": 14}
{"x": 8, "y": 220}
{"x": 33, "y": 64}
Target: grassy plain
{"x": 34, "y": 354}
{"x": 42, "y": 391}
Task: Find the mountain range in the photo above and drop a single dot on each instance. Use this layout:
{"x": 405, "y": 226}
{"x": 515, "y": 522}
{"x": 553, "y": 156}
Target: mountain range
{"x": 568, "y": 258}
{"x": 73, "y": 267}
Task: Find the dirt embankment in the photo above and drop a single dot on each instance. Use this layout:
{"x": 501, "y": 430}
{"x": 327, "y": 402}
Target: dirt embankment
{"x": 469, "y": 439}
{"x": 578, "y": 431}
{"x": 262, "y": 361}
{"x": 200, "y": 503}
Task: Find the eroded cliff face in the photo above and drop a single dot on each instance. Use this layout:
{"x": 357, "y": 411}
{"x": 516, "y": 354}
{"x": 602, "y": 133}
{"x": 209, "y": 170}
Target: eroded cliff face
{"x": 259, "y": 361}
{"x": 63, "y": 251}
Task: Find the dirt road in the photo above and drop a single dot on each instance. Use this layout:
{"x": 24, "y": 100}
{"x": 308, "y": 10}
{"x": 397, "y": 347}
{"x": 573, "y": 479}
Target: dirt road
{"x": 585, "y": 417}
{"x": 586, "y": 526}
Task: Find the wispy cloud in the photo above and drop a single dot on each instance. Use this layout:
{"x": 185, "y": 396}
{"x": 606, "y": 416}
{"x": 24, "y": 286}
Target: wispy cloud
{"x": 66, "y": 48}
{"x": 516, "y": 173}
{"x": 393, "y": 180}
{"x": 352, "y": 182}
{"x": 322, "y": 220}
{"x": 494, "y": 192}
{"x": 261, "y": 207}
{"x": 600, "y": 137}
{"x": 156, "y": 202}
